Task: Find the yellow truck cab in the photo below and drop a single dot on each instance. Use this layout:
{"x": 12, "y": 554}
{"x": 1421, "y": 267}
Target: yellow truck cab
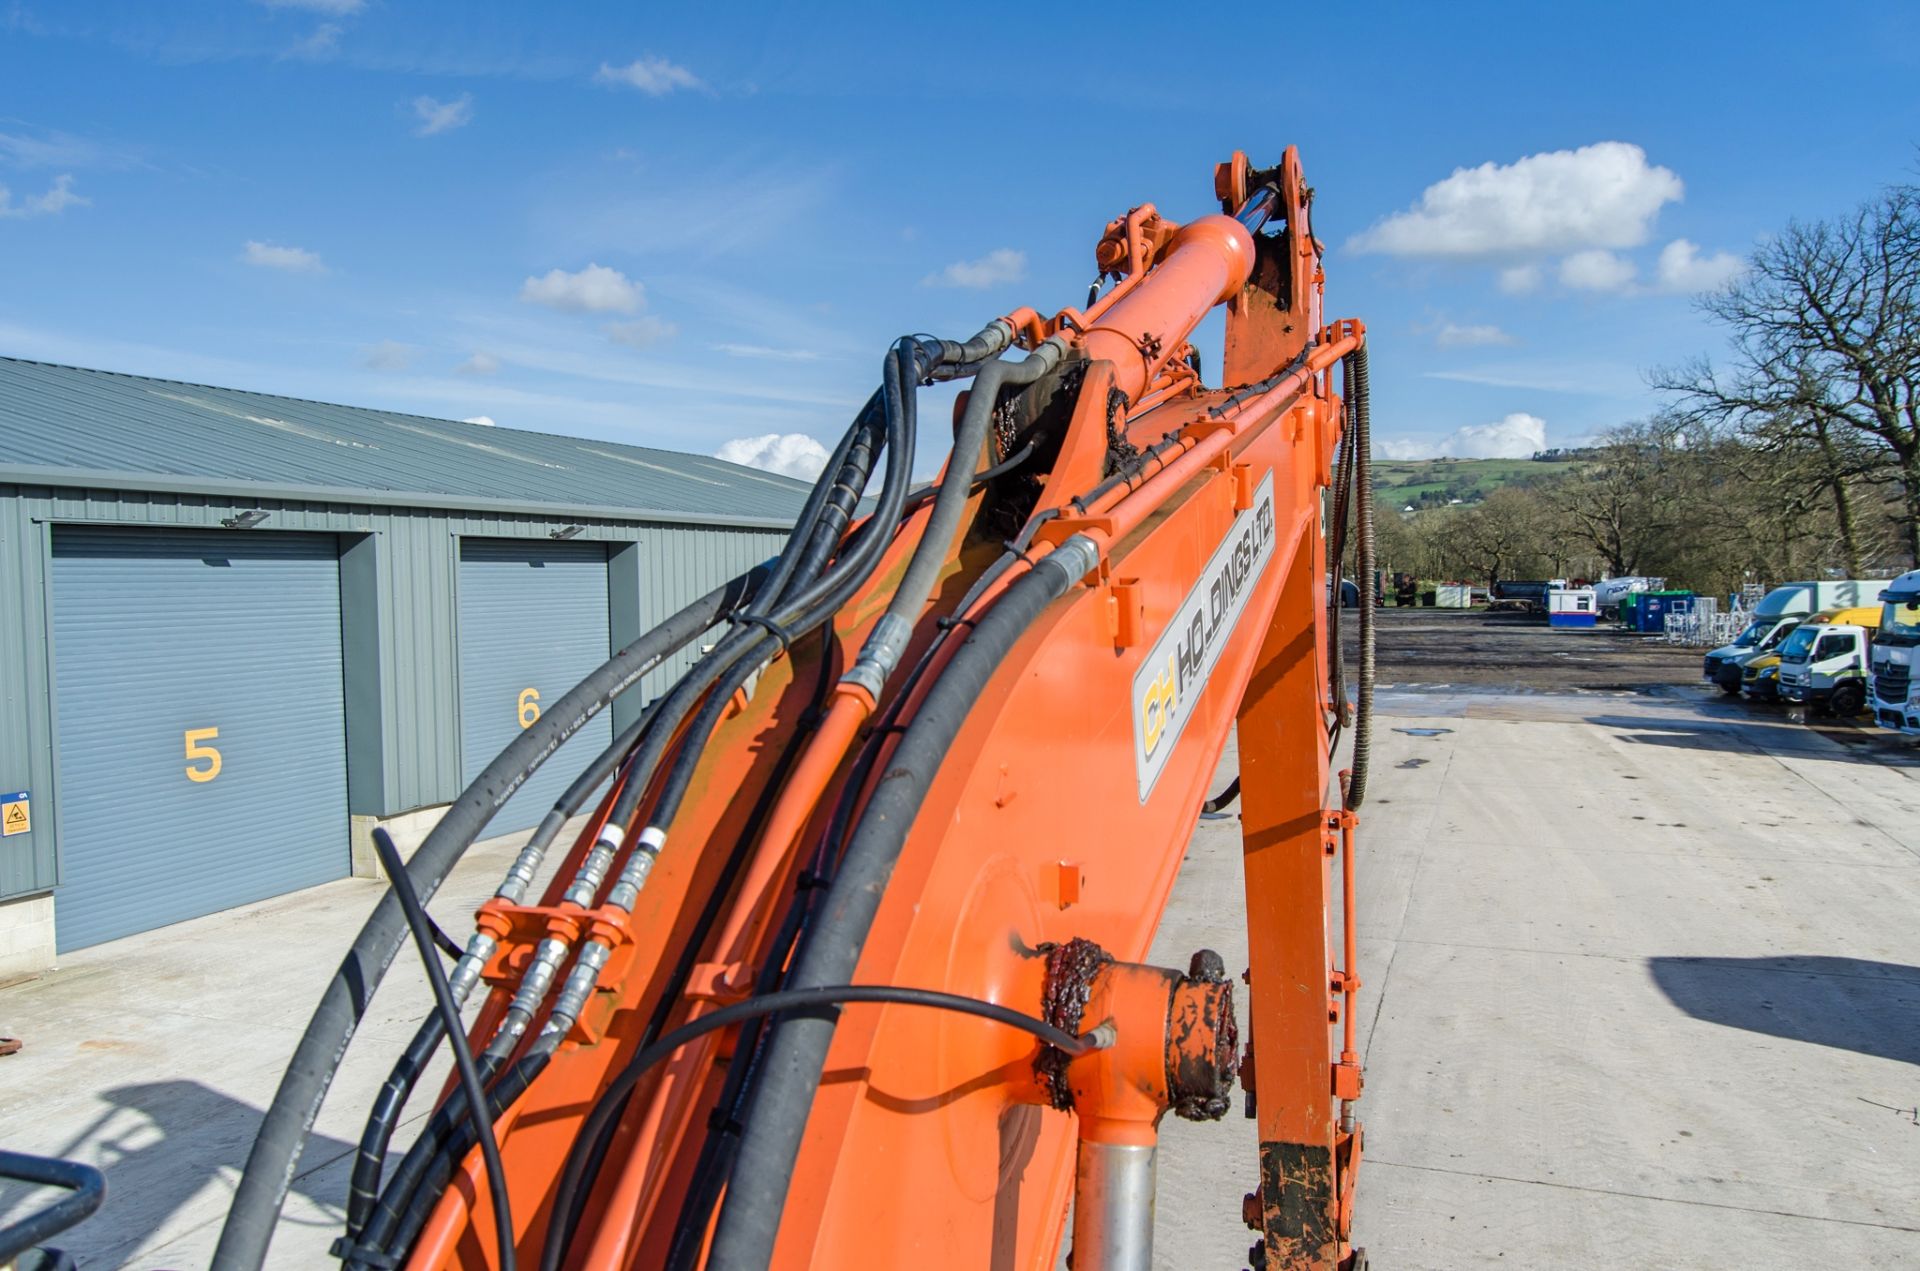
{"x": 1760, "y": 672}
{"x": 1825, "y": 662}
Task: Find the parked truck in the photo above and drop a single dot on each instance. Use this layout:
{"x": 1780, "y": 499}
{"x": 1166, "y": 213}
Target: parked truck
{"x": 1759, "y": 672}
{"x": 1893, "y": 655}
{"x": 1824, "y": 663}
{"x": 1775, "y": 617}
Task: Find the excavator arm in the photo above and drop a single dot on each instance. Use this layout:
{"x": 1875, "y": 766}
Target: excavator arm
{"x": 845, "y": 968}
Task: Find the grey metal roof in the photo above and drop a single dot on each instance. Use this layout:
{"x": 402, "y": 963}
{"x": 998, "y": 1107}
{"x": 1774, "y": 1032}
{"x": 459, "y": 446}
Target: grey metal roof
{"x": 64, "y": 425}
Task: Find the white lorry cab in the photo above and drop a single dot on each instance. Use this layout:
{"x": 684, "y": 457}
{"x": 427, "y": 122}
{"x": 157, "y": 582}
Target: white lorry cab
{"x": 1893, "y": 655}
{"x": 1775, "y": 617}
{"x": 1824, "y": 663}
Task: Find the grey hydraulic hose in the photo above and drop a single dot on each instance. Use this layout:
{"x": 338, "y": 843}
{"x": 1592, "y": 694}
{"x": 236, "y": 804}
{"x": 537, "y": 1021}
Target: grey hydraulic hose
{"x": 283, "y": 1130}
{"x": 750, "y": 1215}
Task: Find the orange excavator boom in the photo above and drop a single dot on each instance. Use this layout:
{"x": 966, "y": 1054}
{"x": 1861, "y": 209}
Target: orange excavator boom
{"x": 844, "y": 962}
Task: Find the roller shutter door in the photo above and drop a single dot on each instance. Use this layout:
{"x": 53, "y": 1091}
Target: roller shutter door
{"x": 202, "y": 749}
{"x": 533, "y": 623}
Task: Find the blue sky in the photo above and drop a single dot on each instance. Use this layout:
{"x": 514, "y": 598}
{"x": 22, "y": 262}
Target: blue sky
{"x": 685, "y": 226}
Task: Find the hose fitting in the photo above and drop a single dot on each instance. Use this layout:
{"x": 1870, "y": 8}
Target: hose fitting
{"x": 579, "y": 985}
{"x": 466, "y": 972}
{"x": 880, "y": 654}
{"x": 593, "y": 871}
{"x": 626, "y": 889}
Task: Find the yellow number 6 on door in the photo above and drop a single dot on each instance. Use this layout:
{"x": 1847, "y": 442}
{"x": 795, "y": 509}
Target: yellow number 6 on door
{"x": 529, "y": 706}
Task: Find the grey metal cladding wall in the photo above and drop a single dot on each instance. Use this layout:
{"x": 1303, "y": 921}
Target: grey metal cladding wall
{"x": 533, "y": 623}
{"x": 678, "y": 566}
{"x": 419, "y": 755}
{"x": 26, "y": 756}
{"x": 202, "y": 760}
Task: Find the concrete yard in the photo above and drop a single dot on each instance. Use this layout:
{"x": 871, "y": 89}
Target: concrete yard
{"x": 1642, "y": 990}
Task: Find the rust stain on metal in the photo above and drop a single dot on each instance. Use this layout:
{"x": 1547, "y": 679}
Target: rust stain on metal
{"x": 1297, "y": 1192}
{"x": 1204, "y": 1041}
{"x": 1063, "y": 999}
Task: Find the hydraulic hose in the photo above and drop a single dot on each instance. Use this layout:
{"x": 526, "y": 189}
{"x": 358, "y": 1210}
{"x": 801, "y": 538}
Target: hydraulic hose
{"x": 825, "y": 999}
{"x": 283, "y": 1130}
{"x": 1363, "y": 492}
{"x": 750, "y": 1214}
{"x": 895, "y": 627}
{"x": 799, "y": 598}
{"x": 449, "y": 1013}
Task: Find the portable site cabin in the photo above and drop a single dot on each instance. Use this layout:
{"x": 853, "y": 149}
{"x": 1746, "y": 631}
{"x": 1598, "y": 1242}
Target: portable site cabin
{"x": 1571, "y": 607}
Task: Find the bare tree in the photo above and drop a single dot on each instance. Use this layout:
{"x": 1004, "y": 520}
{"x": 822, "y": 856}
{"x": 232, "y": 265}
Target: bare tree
{"x": 1826, "y": 337}
{"x": 1623, "y": 501}
{"x": 1503, "y": 531}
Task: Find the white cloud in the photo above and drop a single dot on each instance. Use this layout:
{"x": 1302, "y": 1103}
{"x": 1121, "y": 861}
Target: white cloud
{"x": 761, "y": 352}
{"x": 1519, "y": 279}
{"x": 485, "y": 421}
{"x": 1454, "y": 336}
{"x": 338, "y": 8}
{"x": 1517, "y": 436}
{"x": 436, "y": 116}
{"x": 1602, "y": 195}
{"x": 1597, "y": 270}
{"x": 1402, "y": 448}
{"x": 479, "y": 364}
{"x": 641, "y": 332}
{"x": 322, "y": 44}
{"x": 388, "y": 355}
{"x": 654, "y": 76}
{"x": 1001, "y": 265}
{"x": 1682, "y": 268}
{"x": 58, "y": 198}
{"x": 295, "y": 260}
{"x": 789, "y": 454}
{"x": 595, "y": 289}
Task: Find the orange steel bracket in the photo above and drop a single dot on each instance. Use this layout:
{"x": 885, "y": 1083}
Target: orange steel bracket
{"x": 1278, "y": 311}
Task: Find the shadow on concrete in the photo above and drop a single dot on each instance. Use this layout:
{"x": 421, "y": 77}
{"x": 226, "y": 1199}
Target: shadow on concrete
{"x": 1846, "y": 1003}
{"x": 1862, "y": 743}
{"x": 159, "y": 1144}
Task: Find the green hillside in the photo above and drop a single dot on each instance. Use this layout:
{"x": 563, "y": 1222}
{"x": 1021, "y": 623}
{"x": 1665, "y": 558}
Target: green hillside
{"x": 1436, "y": 482}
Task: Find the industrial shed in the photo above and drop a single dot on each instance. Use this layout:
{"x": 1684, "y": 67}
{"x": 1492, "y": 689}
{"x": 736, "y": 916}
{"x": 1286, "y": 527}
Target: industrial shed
{"x": 238, "y": 631}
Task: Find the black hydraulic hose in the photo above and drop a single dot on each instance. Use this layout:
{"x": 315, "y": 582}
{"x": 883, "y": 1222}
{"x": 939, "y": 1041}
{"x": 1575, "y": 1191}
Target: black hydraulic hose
{"x": 283, "y": 1130}
{"x": 716, "y": 1151}
{"x": 888, "y": 640}
{"x": 1219, "y": 802}
{"x": 399, "y": 1227}
{"x": 823, "y": 999}
{"x": 570, "y": 1200}
{"x": 1342, "y": 517}
{"x": 911, "y": 360}
{"x": 1363, "y": 491}
{"x": 950, "y": 503}
{"x": 363, "y": 1188}
{"x": 449, "y": 1012}
{"x": 750, "y": 1214}
{"x": 371, "y": 1158}
{"x": 717, "y": 676}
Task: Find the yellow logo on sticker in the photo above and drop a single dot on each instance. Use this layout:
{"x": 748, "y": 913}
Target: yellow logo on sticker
{"x": 1156, "y": 706}
{"x": 16, "y": 814}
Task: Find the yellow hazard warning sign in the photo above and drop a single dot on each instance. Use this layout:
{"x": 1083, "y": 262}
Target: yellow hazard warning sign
{"x": 16, "y": 813}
